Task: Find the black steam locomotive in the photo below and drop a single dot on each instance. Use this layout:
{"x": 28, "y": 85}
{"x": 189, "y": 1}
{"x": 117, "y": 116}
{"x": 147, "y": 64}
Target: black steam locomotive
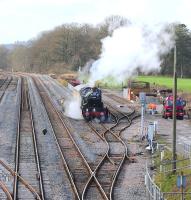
{"x": 92, "y": 105}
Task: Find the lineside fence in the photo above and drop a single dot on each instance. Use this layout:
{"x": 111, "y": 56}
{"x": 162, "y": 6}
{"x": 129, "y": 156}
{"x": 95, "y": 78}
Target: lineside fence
{"x": 154, "y": 192}
{"x": 187, "y": 150}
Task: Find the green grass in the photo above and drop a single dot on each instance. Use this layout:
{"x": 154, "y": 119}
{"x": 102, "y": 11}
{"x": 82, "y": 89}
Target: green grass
{"x": 182, "y": 84}
{"x": 109, "y": 82}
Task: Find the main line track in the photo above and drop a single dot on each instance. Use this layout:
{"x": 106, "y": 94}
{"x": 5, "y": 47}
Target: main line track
{"x": 79, "y": 171}
{"x": 28, "y": 183}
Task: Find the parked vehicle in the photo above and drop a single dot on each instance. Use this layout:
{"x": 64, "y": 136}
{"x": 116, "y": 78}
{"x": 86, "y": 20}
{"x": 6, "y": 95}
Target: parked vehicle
{"x": 71, "y": 78}
{"x": 168, "y": 107}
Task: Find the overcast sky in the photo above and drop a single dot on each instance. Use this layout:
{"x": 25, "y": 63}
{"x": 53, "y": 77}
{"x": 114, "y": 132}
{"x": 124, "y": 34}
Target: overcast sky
{"x": 21, "y": 20}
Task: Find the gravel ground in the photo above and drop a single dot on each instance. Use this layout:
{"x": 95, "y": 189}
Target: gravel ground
{"x": 56, "y": 183}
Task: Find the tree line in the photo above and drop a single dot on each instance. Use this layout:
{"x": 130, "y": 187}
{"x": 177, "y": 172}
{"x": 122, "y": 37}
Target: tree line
{"x": 183, "y": 45}
{"x": 72, "y": 45}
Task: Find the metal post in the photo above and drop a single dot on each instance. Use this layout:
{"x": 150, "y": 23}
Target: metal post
{"x": 174, "y": 114}
{"x": 142, "y": 120}
{"x": 142, "y": 97}
{"x": 182, "y": 187}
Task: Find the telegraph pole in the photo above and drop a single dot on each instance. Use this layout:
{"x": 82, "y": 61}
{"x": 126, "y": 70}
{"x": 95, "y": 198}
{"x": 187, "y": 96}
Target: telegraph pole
{"x": 174, "y": 115}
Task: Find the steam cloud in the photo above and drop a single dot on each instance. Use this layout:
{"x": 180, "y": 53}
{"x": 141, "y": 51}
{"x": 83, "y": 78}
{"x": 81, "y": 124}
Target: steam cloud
{"x": 141, "y": 43}
{"x": 72, "y": 104}
{"x": 72, "y": 107}
{"x": 130, "y": 48}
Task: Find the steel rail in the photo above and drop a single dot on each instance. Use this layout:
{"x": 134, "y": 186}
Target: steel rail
{"x": 67, "y": 130}
{"x": 130, "y": 119}
{"x": 36, "y": 149}
{"x": 91, "y": 173}
{"x": 128, "y": 116}
{"x": 69, "y": 174}
{"x": 106, "y": 155}
{"x": 5, "y": 87}
{"x": 92, "y": 178}
{"x": 118, "y": 99}
{"x": 17, "y": 160}
{"x": 25, "y": 183}
{"x": 15, "y": 187}
{"x": 3, "y": 82}
{"x": 5, "y": 190}
{"x": 125, "y": 154}
{"x": 103, "y": 138}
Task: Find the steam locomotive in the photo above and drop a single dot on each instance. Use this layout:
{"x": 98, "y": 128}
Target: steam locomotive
{"x": 91, "y": 104}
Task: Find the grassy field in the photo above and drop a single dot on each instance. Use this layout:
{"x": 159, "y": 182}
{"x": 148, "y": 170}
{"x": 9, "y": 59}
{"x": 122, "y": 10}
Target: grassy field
{"x": 182, "y": 84}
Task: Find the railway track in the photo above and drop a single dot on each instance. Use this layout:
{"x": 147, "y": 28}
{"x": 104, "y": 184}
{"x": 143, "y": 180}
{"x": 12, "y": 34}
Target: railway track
{"x": 79, "y": 172}
{"x": 2, "y": 81}
{"x": 28, "y": 183}
{"x": 91, "y": 188}
{"x": 116, "y": 98}
{"x": 122, "y": 117}
{"x": 89, "y": 181}
{"x": 4, "y": 85}
{"x": 123, "y": 101}
{"x": 108, "y": 169}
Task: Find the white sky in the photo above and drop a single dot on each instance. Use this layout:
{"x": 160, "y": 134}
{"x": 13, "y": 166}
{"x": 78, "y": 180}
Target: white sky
{"x": 21, "y": 20}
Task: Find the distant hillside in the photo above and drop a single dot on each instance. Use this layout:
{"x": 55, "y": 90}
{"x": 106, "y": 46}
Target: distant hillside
{"x": 9, "y": 46}
{"x": 18, "y": 43}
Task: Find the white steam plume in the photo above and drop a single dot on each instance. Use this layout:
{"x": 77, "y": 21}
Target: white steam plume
{"x": 72, "y": 104}
{"x": 72, "y": 107}
{"x": 141, "y": 43}
{"x": 129, "y": 48}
